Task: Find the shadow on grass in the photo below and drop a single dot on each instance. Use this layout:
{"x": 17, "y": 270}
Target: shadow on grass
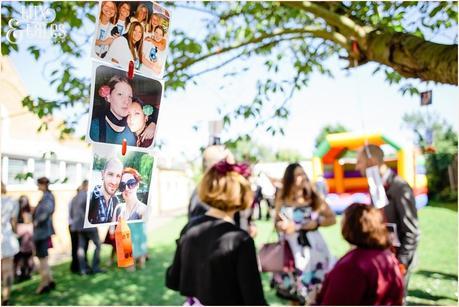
{"x": 437, "y": 275}
{"x": 116, "y": 287}
{"x": 421, "y": 294}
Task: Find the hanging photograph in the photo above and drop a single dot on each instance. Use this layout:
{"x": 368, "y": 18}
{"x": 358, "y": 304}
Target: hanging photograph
{"x": 119, "y": 186}
{"x": 122, "y": 108}
{"x": 132, "y": 31}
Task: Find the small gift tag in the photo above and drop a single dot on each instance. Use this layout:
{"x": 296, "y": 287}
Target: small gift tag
{"x": 123, "y": 244}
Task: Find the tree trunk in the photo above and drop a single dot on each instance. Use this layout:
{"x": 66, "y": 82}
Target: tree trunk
{"x": 412, "y": 56}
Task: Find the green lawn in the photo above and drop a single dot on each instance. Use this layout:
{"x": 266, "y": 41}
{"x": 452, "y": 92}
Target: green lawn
{"x": 433, "y": 283}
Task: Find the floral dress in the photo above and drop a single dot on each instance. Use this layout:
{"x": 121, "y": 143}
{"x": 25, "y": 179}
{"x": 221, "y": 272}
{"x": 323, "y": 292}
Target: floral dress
{"x": 311, "y": 255}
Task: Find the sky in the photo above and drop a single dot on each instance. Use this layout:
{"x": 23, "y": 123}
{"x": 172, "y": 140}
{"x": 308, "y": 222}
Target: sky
{"x": 354, "y": 98}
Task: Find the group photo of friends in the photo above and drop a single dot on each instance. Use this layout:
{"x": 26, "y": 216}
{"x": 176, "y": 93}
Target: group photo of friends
{"x": 132, "y": 31}
{"x": 119, "y": 186}
{"x": 124, "y": 108}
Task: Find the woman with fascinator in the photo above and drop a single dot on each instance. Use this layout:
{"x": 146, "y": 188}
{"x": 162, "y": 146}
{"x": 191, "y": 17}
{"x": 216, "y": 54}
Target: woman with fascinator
{"x": 215, "y": 261}
{"x": 110, "y": 126}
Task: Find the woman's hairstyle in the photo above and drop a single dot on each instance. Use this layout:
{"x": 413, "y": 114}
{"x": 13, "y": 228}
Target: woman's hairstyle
{"x": 162, "y": 29}
{"x": 44, "y": 181}
{"x": 149, "y": 27}
{"x": 227, "y": 192}
{"x": 363, "y": 226}
{"x": 112, "y": 20}
{"x": 24, "y": 207}
{"x": 133, "y": 172}
{"x": 139, "y": 8}
{"x": 137, "y": 45}
{"x": 309, "y": 192}
{"x": 126, "y": 22}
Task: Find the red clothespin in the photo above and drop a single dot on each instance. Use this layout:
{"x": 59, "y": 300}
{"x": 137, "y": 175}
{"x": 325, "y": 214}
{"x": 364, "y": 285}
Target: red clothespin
{"x": 124, "y": 147}
{"x": 131, "y": 70}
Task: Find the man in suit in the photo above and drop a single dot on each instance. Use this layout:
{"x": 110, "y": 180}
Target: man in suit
{"x": 401, "y": 209}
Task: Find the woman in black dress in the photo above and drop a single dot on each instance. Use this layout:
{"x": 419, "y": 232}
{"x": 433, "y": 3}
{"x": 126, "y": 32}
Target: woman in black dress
{"x": 215, "y": 261}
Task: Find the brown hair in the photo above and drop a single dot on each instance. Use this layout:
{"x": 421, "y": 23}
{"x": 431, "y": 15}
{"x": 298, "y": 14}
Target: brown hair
{"x": 118, "y": 14}
{"x": 363, "y": 226}
{"x": 139, "y": 44}
{"x": 137, "y": 12}
{"x": 133, "y": 172}
{"x": 118, "y": 79}
{"x": 309, "y": 192}
{"x": 226, "y": 192}
{"x": 113, "y": 19}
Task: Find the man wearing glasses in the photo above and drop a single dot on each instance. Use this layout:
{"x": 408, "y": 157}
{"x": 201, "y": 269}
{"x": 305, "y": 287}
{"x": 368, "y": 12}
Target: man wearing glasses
{"x": 103, "y": 199}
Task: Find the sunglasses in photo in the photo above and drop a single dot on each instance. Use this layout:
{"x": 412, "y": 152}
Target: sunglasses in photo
{"x": 131, "y": 183}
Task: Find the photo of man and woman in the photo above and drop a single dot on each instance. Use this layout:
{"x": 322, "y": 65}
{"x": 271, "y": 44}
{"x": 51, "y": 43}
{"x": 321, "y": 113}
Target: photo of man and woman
{"x": 132, "y": 31}
{"x": 119, "y": 186}
{"x": 123, "y": 108}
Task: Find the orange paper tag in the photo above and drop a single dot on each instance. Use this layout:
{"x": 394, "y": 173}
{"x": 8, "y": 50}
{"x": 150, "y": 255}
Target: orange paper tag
{"x": 123, "y": 244}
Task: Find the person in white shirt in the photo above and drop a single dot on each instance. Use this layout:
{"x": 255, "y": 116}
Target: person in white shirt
{"x": 122, "y": 18}
{"x": 104, "y": 37}
{"x": 154, "y": 52}
{"x": 141, "y": 15}
{"x": 128, "y": 47}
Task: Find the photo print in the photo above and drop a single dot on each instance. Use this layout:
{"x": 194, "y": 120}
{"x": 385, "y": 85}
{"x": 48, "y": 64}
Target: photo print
{"x": 132, "y": 31}
{"x": 119, "y": 186}
{"x": 122, "y": 108}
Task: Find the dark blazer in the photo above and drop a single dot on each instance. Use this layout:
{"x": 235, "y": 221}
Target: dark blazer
{"x": 215, "y": 262}
{"x": 402, "y": 211}
{"x": 42, "y": 217}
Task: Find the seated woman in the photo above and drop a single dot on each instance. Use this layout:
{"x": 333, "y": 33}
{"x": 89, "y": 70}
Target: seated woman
{"x": 368, "y": 274}
{"x": 137, "y": 120}
{"x": 215, "y": 261}
{"x": 133, "y": 208}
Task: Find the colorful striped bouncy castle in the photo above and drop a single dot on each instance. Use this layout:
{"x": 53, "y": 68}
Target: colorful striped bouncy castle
{"x": 335, "y": 159}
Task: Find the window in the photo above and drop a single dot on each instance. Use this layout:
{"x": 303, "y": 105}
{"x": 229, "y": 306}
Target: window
{"x": 71, "y": 173}
{"x": 55, "y": 173}
{"x": 40, "y": 169}
{"x": 15, "y": 167}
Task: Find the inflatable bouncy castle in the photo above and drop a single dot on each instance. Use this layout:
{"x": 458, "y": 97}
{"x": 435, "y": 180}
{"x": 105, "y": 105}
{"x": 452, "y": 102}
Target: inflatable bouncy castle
{"x": 335, "y": 159}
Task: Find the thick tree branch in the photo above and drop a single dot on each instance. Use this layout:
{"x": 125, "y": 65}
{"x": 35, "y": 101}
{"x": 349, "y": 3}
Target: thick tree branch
{"x": 414, "y": 57}
{"x": 346, "y": 26}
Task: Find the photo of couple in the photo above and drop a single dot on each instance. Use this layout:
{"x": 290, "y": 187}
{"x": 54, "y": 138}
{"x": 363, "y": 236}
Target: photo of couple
{"x": 132, "y": 31}
{"x": 124, "y": 108}
{"x": 119, "y": 186}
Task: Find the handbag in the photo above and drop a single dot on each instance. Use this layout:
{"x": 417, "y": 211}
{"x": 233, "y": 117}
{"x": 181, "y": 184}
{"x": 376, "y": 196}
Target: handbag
{"x": 276, "y": 257}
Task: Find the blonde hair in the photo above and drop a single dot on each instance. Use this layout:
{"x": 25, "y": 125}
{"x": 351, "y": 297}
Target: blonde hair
{"x": 226, "y": 192}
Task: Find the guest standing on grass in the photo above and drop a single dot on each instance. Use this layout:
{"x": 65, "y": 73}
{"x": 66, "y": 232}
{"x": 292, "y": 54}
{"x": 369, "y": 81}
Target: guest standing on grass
{"x": 42, "y": 232}
{"x": 368, "y": 274}
{"x": 215, "y": 261}
{"x": 400, "y": 211}
{"x": 10, "y": 245}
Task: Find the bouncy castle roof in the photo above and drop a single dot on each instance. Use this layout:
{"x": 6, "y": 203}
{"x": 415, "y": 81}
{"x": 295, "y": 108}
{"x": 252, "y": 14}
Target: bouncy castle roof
{"x": 335, "y": 144}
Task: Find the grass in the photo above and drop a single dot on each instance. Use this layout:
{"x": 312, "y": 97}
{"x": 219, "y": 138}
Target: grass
{"x": 434, "y": 281}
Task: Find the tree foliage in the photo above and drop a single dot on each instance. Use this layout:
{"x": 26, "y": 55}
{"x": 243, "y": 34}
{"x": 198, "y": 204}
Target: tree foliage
{"x": 293, "y": 37}
{"x": 439, "y": 162}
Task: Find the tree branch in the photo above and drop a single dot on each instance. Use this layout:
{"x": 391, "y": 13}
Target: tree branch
{"x": 347, "y": 26}
{"x": 316, "y": 31}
